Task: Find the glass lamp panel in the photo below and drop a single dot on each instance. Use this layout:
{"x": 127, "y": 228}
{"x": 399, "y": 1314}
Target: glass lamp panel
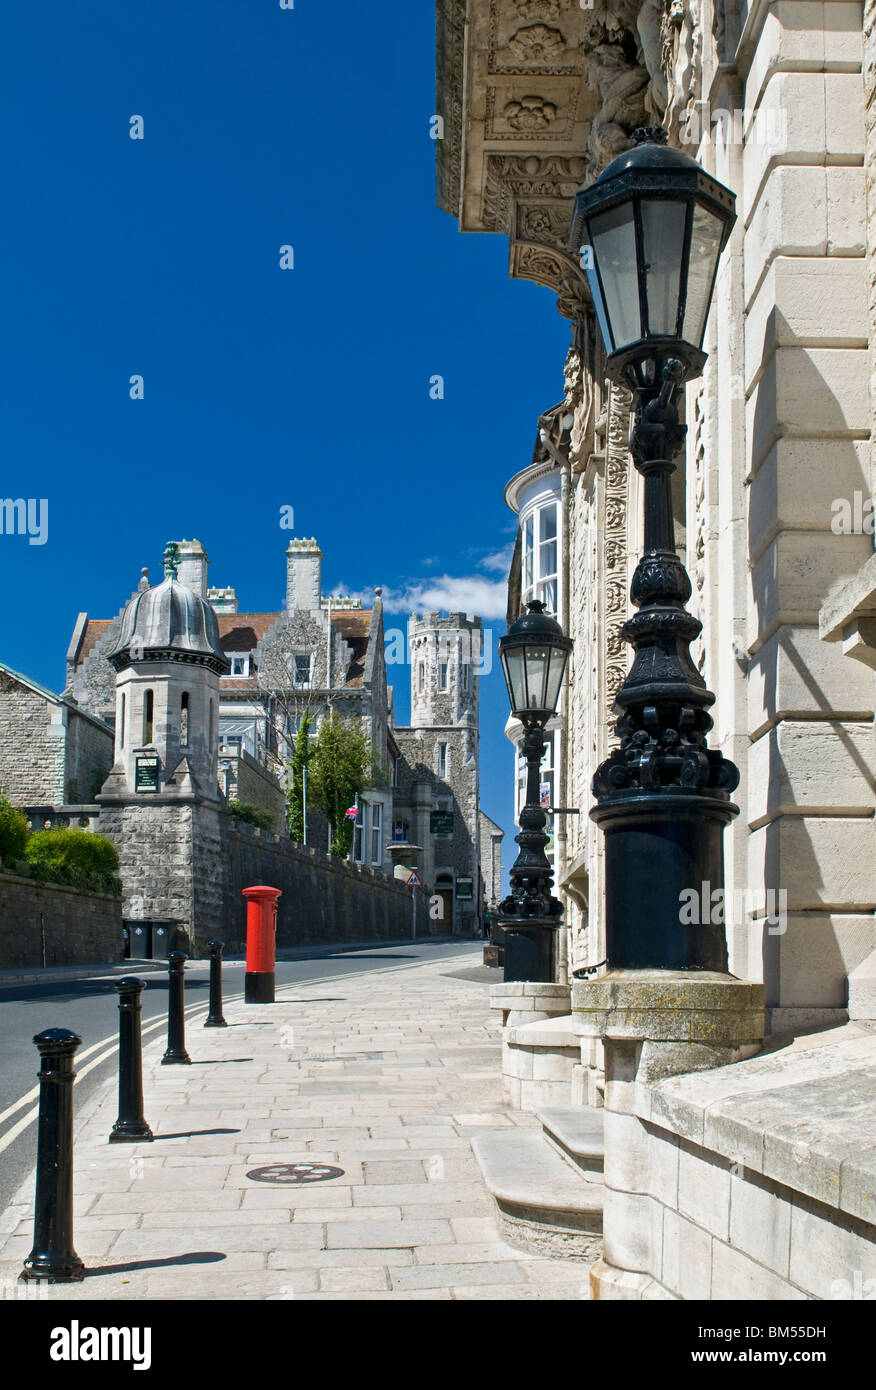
{"x": 663, "y": 238}
{"x": 613, "y": 237}
{"x": 555, "y": 678}
{"x": 515, "y": 676}
{"x": 537, "y": 659}
{"x": 705, "y": 247}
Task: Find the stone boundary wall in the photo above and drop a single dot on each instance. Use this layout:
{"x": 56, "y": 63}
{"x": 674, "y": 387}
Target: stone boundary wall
{"x": 325, "y": 901}
{"x": 80, "y": 928}
{"x": 250, "y": 782}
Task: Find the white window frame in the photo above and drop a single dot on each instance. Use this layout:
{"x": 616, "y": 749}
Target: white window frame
{"x": 539, "y": 583}
{"x": 243, "y": 658}
{"x": 358, "y": 852}
{"x": 376, "y": 819}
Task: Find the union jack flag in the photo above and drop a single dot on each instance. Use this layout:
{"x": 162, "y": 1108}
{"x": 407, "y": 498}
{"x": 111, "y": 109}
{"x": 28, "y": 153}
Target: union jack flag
{"x": 352, "y": 813}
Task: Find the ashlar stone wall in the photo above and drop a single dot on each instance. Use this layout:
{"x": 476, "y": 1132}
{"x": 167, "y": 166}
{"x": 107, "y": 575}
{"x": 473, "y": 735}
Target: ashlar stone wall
{"x": 49, "y": 924}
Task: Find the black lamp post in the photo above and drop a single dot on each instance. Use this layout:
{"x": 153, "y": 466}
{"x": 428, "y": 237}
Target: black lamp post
{"x": 650, "y": 231}
{"x": 534, "y": 655}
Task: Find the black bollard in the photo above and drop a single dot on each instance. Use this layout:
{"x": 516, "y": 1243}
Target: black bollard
{"x": 53, "y": 1257}
{"x": 176, "y": 1019}
{"x": 130, "y": 1127}
{"x": 215, "y": 1018}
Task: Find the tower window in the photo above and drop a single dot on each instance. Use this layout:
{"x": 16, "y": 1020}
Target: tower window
{"x": 442, "y": 759}
{"x": 442, "y": 675}
{"x": 184, "y": 720}
{"x": 122, "y": 720}
{"x": 466, "y": 677}
{"x": 421, "y": 677}
{"x": 148, "y": 716}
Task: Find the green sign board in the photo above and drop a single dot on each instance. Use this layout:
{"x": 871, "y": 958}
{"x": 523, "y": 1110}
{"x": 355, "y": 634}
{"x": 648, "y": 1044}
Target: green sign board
{"x": 146, "y": 770}
{"x": 441, "y": 822}
{"x": 465, "y": 888}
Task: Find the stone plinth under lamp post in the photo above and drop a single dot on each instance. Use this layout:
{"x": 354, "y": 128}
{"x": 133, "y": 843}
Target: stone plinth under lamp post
{"x": 649, "y": 233}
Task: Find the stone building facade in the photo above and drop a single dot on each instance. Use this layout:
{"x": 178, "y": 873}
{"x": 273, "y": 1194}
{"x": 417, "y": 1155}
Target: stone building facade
{"x": 182, "y": 703}
{"x": 773, "y": 516}
{"x": 491, "y": 836}
{"x": 52, "y": 754}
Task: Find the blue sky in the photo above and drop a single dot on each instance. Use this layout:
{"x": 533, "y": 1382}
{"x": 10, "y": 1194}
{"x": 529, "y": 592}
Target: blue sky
{"x": 263, "y": 127}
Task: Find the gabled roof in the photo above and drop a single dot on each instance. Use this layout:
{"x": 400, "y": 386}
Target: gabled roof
{"x": 242, "y": 632}
{"x": 92, "y": 631}
{"x": 51, "y": 695}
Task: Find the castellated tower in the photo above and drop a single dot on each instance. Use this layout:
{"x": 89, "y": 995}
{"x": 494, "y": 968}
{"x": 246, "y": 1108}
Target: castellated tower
{"x": 437, "y": 777}
{"x": 445, "y": 655}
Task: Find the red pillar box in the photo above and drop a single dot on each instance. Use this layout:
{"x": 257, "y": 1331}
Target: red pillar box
{"x": 261, "y": 941}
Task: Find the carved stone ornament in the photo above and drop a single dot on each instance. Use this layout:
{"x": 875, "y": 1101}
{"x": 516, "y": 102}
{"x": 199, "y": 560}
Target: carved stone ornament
{"x": 530, "y": 113}
{"x": 537, "y": 44}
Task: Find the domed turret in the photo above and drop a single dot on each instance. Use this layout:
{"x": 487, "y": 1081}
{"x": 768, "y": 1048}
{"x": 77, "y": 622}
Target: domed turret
{"x": 168, "y": 661}
{"x": 168, "y": 622}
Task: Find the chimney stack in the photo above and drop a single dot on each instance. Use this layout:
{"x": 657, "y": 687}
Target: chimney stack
{"x": 304, "y": 577}
{"x": 193, "y": 562}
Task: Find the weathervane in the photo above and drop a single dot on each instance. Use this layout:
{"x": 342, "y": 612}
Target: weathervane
{"x": 171, "y": 560}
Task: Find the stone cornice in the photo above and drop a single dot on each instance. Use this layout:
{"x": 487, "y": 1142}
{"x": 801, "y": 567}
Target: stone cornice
{"x": 536, "y": 97}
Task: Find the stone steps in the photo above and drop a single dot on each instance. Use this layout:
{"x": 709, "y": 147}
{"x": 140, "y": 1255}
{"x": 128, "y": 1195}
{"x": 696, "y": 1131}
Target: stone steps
{"x": 545, "y": 1203}
{"x": 539, "y": 1062}
{"x": 577, "y": 1132}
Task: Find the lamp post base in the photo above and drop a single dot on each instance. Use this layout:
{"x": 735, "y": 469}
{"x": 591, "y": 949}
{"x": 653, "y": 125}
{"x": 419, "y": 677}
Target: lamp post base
{"x": 530, "y": 949}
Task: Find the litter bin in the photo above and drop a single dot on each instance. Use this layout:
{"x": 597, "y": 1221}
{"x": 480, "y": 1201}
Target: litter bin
{"x": 162, "y": 932}
{"x": 140, "y": 937}
{"x": 150, "y": 938}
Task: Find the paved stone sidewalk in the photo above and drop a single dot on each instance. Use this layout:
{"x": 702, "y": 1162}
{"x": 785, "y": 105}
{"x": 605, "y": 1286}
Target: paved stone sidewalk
{"x": 386, "y": 1076}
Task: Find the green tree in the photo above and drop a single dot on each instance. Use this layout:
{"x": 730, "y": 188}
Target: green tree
{"x": 251, "y": 815}
{"x": 339, "y": 772}
{"x": 13, "y": 832}
{"x": 301, "y": 760}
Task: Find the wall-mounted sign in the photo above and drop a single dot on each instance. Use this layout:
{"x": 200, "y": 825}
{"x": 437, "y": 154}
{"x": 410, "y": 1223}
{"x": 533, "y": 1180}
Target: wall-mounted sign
{"x": 146, "y": 773}
{"x": 441, "y": 822}
{"x": 465, "y": 888}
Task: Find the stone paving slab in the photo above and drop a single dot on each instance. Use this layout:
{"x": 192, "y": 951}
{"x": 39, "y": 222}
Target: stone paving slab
{"x": 390, "y": 1080}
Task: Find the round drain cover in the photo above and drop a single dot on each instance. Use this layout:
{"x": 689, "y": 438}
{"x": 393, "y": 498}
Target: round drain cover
{"x": 295, "y": 1172}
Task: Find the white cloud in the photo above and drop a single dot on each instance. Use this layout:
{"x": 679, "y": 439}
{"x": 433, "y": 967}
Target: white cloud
{"x": 500, "y": 560}
{"x": 473, "y": 593}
